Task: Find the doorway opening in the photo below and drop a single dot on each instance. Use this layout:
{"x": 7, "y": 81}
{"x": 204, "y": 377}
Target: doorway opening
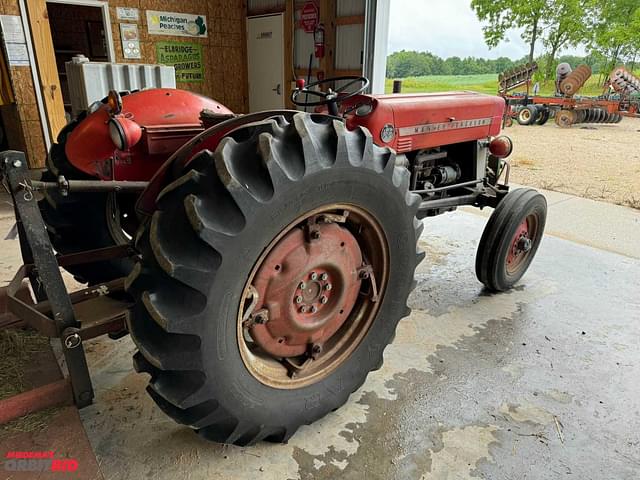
{"x": 77, "y": 29}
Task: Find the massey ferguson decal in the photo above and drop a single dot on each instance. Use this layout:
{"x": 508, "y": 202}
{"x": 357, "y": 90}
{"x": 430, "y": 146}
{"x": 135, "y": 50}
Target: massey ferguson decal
{"x": 440, "y": 127}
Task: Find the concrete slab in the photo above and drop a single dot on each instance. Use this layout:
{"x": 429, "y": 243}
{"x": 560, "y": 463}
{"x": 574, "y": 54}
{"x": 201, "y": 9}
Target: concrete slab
{"x": 537, "y": 383}
{"x": 602, "y": 225}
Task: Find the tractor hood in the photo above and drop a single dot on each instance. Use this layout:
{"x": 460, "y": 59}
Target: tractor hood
{"x": 168, "y": 118}
{"x": 410, "y": 122}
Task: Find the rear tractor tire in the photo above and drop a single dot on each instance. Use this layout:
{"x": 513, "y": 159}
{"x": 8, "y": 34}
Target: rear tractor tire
{"x": 511, "y": 238}
{"x": 272, "y": 277}
{"x": 85, "y": 221}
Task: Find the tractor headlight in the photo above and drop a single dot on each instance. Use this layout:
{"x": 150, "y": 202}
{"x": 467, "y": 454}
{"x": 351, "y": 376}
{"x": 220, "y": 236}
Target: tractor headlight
{"x": 116, "y": 132}
{"x": 124, "y": 133}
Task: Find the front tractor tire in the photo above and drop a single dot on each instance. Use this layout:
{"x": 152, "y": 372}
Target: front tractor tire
{"x": 272, "y": 277}
{"x": 511, "y": 239}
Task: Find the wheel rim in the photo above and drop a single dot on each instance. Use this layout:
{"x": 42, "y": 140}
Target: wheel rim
{"x": 121, "y": 222}
{"x": 522, "y": 244}
{"x": 525, "y": 115}
{"x": 312, "y": 296}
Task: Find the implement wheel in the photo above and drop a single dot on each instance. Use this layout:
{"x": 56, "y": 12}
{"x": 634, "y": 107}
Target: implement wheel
{"x": 566, "y": 118}
{"x": 543, "y": 116}
{"x": 511, "y": 238}
{"x": 86, "y": 221}
{"x": 527, "y": 115}
{"x": 273, "y": 275}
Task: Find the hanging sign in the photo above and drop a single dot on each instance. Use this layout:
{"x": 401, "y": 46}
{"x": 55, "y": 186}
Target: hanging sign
{"x": 130, "y": 40}
{"x": 185, "y": 57}
{"x": 177, "y": 24}
{"x": 309, "y": 16}
{"x": 14, "y": 41}
{"x": 126, "y": 13}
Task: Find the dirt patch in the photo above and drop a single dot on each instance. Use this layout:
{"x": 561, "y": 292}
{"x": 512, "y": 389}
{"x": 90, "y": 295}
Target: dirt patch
{"x": 601, "y": 161}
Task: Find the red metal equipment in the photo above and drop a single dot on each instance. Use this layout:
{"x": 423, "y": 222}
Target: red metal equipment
{"x": 271, "y": 254}
{"x": 161, "y": 130}
{"x": 567, "y": 108}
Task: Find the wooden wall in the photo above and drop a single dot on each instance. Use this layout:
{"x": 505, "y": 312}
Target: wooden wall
{"x": 224, "y": 49}
{"x": 21, "y": 119}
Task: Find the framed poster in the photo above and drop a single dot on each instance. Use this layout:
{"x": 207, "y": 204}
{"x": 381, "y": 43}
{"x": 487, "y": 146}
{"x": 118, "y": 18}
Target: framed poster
{"x": 185, "y": 57}
{"x": 176, "y": 24}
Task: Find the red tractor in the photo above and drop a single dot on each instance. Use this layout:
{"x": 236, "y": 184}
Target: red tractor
{"x": 268, "y": 257}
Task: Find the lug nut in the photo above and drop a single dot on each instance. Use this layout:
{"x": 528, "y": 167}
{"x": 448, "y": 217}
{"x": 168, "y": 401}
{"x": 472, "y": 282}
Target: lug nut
{"x": 323, "y": 299}
{"x": 314, "y": 309}
{"x": 324, "y": 276}
{"x": 303, "y": 309}
{"x": 314, "y": 276}
{"x": 315, "y": 235}
{"x": 316, "y": 349}
{"x": 328, "y": 287}
{"x": 302, "y": 286}
{"x": 298, "y": 299}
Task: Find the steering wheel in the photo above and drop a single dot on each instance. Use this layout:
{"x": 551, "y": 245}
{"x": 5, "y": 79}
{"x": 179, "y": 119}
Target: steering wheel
{"x": 330, "y": 97}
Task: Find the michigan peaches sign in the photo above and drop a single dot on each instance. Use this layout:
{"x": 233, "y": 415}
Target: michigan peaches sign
{"x": 177, "y": 24}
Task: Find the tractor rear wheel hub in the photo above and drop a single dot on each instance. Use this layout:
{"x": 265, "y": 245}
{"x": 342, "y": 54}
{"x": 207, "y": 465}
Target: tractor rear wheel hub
{"x": 309, "y": 287}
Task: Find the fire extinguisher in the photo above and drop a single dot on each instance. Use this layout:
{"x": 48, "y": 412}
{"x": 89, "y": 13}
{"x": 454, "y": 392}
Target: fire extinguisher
{"x": 318, "y": 40}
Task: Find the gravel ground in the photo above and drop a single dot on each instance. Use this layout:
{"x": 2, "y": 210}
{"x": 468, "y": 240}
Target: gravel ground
{"x": 598, "y": 161}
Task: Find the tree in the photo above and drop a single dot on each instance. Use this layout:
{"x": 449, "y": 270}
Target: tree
{"x": 616, "y": 31}
{"x": 503, "y": 15}
{"x": 567, "y": 25}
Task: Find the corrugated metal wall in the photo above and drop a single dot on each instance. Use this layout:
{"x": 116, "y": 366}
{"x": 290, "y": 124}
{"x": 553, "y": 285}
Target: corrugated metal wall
{"x": 349, "y": 45}
{"x": 255, "y": 7}
{"x": 349, "y": 38}
{"x": 303, "y": 47}
{"x": 346, "y": 8}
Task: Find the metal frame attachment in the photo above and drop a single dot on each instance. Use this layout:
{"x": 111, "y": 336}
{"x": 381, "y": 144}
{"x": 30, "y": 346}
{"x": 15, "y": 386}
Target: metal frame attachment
{"x": 58, "y": 313}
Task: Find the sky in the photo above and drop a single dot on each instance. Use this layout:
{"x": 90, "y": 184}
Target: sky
{"x": 449, "y": 28}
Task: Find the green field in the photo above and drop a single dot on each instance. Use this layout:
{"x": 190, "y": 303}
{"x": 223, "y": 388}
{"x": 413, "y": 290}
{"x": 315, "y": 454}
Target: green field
{"x": 486, "y": 83}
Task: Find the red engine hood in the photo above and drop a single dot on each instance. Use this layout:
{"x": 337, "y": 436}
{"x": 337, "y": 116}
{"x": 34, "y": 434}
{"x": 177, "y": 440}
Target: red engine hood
{"x": 169, "y": 118}
{"x": 431, "y": 119}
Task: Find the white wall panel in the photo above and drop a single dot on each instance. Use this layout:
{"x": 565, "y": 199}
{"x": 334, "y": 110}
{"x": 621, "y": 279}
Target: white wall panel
{"x": 349, "y": 45}
{"x": 303, "y": 47}
{"x": 346, "y": 8}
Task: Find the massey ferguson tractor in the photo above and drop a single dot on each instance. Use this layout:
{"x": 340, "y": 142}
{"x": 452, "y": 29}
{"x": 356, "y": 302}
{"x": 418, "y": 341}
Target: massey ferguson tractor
{"x": 260, "y": 262}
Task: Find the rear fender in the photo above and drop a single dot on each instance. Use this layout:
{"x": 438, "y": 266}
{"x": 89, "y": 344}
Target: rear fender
{"x": 174, "y": 167}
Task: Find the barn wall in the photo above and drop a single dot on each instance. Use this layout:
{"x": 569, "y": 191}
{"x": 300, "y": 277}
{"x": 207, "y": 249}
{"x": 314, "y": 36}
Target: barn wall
{"x": 224, "y": 49}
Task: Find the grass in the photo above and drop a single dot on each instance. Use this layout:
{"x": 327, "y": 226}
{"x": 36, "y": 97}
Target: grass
{"x": 16, "y": 349}
{"x": 486, "y": 83}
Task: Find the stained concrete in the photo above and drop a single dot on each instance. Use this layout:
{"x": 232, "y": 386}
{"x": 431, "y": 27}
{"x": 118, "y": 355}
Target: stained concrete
{"x": 537, "y": 383}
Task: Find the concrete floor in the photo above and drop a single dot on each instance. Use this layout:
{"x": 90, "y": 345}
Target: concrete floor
{"x": 537, "y": 383}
